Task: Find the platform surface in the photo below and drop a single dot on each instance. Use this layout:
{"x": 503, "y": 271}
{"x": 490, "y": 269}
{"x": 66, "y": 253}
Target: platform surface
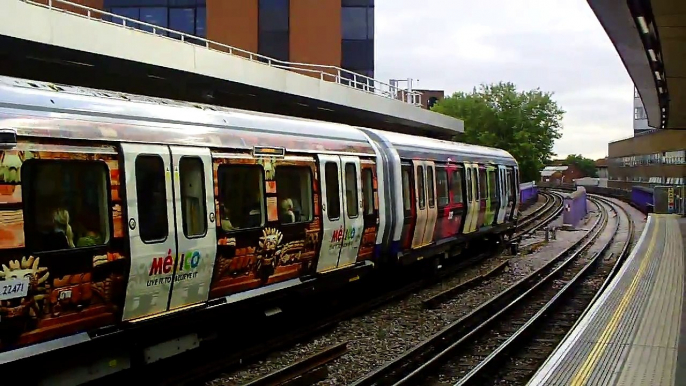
{"x": 632, "y": 334}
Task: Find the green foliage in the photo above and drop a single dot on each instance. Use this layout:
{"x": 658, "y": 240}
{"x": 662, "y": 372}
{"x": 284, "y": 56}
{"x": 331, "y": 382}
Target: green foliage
{"x": 524, "y": 123}
{"x": 586, "y": 165}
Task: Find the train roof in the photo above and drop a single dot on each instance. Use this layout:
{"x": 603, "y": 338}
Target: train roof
{"x": 411, "y": 147}
{"x": 59, "y": 111}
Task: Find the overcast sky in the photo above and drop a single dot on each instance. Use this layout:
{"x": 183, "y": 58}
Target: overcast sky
{"x": 557, "y": 45}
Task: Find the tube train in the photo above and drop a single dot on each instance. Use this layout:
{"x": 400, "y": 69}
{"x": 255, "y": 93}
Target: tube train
{"x": 118, "y": 210}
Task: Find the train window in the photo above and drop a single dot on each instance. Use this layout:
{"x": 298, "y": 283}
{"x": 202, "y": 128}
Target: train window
{"x": 241, "y": 196}
{"x": 351, "y": 198}
{"x": 66, "y": 204}
{"x": 193, "y": 201}
{"x": 430, "y": 184}
{"x": 407, "y": 190}
{"x": 368, "y": 191}
{"x": 420, "y": 187}
{"x": 151, "y": 192}
{"x": 333, "y": 191}
{"x": 442, "y": 187}
{"x": 294, "y": 191}
{"x": 492, "y": 188}
{"x": 456, "y": 186}
{"x": 483, "y": 191}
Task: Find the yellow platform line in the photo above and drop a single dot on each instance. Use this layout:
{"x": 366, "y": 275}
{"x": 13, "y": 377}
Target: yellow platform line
{"x": 584, "y": 372}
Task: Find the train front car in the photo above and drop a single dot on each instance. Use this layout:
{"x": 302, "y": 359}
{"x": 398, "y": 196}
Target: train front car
{"x": 142, "y": 221}
{"x": 442, "y": 196}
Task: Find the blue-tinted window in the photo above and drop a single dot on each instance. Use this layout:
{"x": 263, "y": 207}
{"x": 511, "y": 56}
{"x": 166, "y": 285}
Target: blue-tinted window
{"x": 200, "y": 21}
{"x": 182, "y": 19}
{"x": 274, "y": 45}
{"x": 354, "y": 23}
{"x": 156, "y": 16}
{"x": 370, "y": 23}
{"x": 188, "y": 16}
{"x": 357, "y": 3}
{"x": 273, "y": 15}
{"x": 131, "y": 13}
{"x": 357, "y": 54}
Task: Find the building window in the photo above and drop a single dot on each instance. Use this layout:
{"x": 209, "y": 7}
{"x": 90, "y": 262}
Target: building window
{"x": 66, "y": 204}
{"x": 187, "y": 16}
{"x": 639, "y": 113}
{"x": 274, "y": 26}
{"x": 294, "y": 191}
{"x": 357, "y": 32}
{"x": 241, "y": 196}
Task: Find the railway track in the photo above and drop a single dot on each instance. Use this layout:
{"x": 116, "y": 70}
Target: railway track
{"x": 212, "y": 364}
{"x": 531, "y": 340}
{"x": 540, "y": 217}
{"x": 467, "y": 338}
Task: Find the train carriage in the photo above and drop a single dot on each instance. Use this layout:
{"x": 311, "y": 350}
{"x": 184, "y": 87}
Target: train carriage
{"x": 117, "y": 209}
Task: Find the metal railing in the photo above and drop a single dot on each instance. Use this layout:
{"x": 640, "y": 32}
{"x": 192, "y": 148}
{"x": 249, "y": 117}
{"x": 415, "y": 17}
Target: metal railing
{"x": 325, "y": 72}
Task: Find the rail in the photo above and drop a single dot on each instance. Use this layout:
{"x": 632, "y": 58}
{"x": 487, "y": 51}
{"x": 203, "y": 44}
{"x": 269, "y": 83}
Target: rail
{"x": 326, "y": 72}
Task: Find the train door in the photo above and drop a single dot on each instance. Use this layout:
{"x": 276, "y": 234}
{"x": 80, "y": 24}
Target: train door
{"x": 492, "y": 203}
{"x": 420, "y": 203}
{"x": 516, "y": 191}
{"x": 341, "y": 207}
{"x": 502, "y": 194}
{"x": 483, "y": 195}
{"x": 511, "y": 197}
{"x": 472, "y": 197}
{"x": 431, "y": 209}
{"x": 169, "y": 208}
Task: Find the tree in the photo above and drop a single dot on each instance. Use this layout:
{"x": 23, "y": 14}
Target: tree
{"x": 526, "y": 124}
{"x": 586, "y": 165}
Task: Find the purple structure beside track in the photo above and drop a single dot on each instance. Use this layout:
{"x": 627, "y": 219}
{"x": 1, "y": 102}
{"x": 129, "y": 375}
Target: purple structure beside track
{"x": 575, "y": 207}
{"x": 642, "y": 198}
{"x": 528, "y": 194}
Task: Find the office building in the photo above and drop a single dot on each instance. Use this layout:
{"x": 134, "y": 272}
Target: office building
{"x": 325, "y": 32}
{"x": 653, "y": 158}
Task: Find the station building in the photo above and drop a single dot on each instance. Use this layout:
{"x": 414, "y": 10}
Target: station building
{"x": 304, "y": 58}
{"x": 650, "y": 38}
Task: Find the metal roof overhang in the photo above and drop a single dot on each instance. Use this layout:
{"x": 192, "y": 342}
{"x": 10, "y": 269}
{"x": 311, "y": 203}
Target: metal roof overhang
{"x": 61, "y": 49}
{"x": 650, "y": 37}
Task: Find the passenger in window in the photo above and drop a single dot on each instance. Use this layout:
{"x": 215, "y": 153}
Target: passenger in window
{"x": 61, "y": 221}
{"x": 254, "y": 212}
{"x": 287, "y": 213}
{"x": 225, "y": 219}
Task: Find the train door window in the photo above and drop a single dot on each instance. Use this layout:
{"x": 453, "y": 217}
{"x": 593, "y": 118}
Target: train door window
{"x": 456, "y": 187}
{"x": 151, "y": 192}
{"x": 66, "y": 204}
{"x": 333, "y": 191}
{"x": 483, "y": 189}
{"x": 193, "y": 201}
{"x": 492, "y": 188}
{"x": 407, "y": 188}
{"x": 442, "y": 187}
{"x": 368, "y": 191}
{"x": 470, "y": 182}
{"x": 430, "y": 184}
{"x": 420, "y": 187}
{"x": 351, "y": 198}
{"x": 294, "y": 193}
{"x": 241, "y": 196}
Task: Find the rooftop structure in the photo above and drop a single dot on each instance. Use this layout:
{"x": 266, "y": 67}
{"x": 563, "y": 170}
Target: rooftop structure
{"x": 87, "y": 46}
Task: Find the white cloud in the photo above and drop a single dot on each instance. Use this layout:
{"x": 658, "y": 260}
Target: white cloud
{"x": 556, "y": 45}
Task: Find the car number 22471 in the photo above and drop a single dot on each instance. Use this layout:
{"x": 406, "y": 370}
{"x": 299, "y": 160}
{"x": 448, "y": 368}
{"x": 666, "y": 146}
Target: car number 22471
{"x": 13, "y": 288}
